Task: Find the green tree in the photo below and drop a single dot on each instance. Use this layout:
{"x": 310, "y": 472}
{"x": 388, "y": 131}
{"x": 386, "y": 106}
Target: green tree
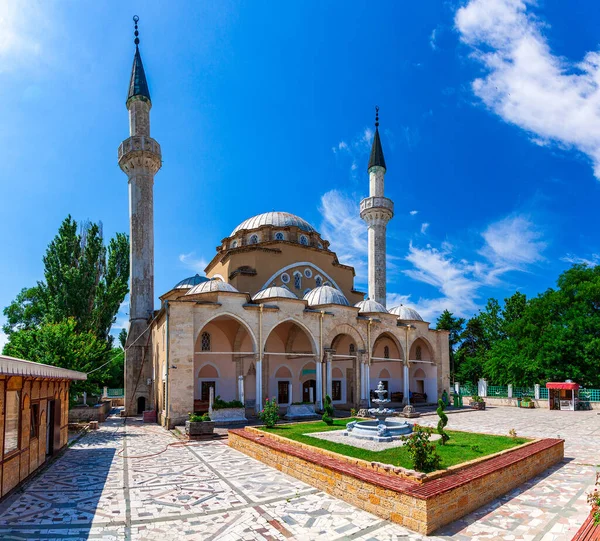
{"x": 75, "y": 305}
{"x": 448, "y": 322}
{"x": 470, "y": 355}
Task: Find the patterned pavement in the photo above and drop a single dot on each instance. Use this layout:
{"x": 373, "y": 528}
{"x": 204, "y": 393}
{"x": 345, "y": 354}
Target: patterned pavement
{"x": 107, "y": 487}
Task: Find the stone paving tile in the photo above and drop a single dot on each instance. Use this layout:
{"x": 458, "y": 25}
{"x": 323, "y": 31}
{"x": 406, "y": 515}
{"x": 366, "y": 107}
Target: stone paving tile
{"x": 206, "y": 491}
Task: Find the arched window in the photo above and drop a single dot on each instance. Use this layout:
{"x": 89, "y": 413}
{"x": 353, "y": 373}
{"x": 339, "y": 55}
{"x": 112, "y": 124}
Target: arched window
{"x": 234, "y": 244}
{"x": 307, "y": 290}
{"x": 418, "y": 353}
{"x": 279, "y": 236}
{"x": 386, "y": 352}
{"x": 304, "y": 240}
{"x": 297, "y": 280}
{"x": 318, "y": 281}
{"x": 253, "y": 239}
{"x": 352, "y": 349}
{"x": 205, "y": 341}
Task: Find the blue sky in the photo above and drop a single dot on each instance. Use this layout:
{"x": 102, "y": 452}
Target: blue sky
{"x": 490, "y": 122}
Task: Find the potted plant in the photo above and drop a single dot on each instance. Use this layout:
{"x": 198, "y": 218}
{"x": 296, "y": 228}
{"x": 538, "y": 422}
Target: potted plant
{"x": 477, "y": 402}
{"x": 199, "y": 425}
{"x": 526, "y": 402}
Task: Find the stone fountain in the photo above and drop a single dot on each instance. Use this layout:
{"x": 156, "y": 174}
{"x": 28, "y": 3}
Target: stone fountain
{"x": 381, "y": 430}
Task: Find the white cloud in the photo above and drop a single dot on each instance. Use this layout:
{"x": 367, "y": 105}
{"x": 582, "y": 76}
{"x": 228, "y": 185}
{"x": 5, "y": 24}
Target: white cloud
{"x": 3, "y": 340}
{"x": 357, "y": 150}
{"x": 345, "y": 230}
{"x": 432, "y": 38}
{"x": 512, "y": 243}
{"x": 424, "y": 227}
{"x": 190, "y": 261}
{"x": 591, "y": 261}
{"x": 555, "y": 100}
{"x": 414, "y": 212}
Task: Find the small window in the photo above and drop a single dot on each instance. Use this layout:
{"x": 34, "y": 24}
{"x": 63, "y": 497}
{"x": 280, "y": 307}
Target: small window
{"x": 285, "y": 278}
{"x": 283, "y": 396}
{"x": 12, "y": 420}
{"x": 298, "y": 280}
{"x": 35, "y": 421}
{"x": 234, "y": 244}
{"x": 418, "y": 353}
{"x": 352, "y": 349}
{"x": 253, "y": 239}
{"x": 205, "y": 341}
{"x": 318, "y": 281}
{"x": 327, "y": 284}
{"x": 205, "y": 390}
{"x": 279, "y": 236}
{"x": 336, "y": 389}
{"x": 320, "y": 246}
{"x": 386, "y": 352}
{"x": 304, "y": 240}
{"x": 308, "y": 273}
{"x": 306, "y": 291}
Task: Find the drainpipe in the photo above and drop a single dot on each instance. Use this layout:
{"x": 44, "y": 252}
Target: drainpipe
{"x": 167, "y": 361}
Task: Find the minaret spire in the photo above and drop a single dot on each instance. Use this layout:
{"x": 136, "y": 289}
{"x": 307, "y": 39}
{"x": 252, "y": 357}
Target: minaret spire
{"x": 140, "y": 159}
{"x": 377, "y": 210}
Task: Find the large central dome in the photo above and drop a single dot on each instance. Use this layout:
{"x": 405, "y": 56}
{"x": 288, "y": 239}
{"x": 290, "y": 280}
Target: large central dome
{"x": 276, "y": 219}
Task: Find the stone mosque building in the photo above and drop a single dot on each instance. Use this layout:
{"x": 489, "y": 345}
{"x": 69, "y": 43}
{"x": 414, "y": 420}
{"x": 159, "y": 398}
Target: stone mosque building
{"x": 276, "y": 315}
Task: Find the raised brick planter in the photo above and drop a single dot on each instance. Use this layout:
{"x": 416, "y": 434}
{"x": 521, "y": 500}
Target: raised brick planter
{"x": 423, "y": 505}
{"x": 588, "y": 531}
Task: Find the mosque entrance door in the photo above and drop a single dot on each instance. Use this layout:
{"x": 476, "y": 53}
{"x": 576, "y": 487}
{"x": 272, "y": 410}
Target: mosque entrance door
{"x": 309, "y": 391}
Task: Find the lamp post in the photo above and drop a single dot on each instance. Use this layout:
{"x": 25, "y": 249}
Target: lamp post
{"x": 409, "y": 410}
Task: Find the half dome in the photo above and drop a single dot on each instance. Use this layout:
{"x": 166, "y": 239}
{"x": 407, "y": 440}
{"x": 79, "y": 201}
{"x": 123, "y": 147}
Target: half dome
{"x": 274, "y": 293}
{"x": 190, "y": 282}
{"x": 370, "y": 306}
{"x": 325, "y": 295}
{"x": 406, "y": 312}
{"x": 276, "y": 219}
{"x": 212, "y": 286}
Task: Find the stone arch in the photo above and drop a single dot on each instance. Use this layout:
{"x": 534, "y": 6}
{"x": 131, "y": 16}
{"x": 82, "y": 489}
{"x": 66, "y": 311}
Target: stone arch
{"x": 344, "y": 328}
{"x": 284, "y": 371}
{"x": 243, "y": 324}
{"x": 337, "y": 373}
{"x": 208, "y": 370}
{"x": 311, "y": 365}
{"x": 311, "y": 338}
{"x": 384, "y": 374}
{"x": 419, "y": 373}
{"x": 427, "y": 350}
{"x": 394, "y": 340}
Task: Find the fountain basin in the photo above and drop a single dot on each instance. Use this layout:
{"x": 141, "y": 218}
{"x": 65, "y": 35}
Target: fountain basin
{"x": 380, "y": 430}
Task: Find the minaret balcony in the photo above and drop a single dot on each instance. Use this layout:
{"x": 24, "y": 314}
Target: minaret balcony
{"x": 140, "y": 150}
{"x": 382, "y": 203}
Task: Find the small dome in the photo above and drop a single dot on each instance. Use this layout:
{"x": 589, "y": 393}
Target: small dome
{"x": 274, "y": 293}
{"x": 192, "y": 281}
{"x": 276, "y": 219}
{"x": 369, "y": 306}
{"x": 212, "y": 286}
{"x": 325, "y": 295}
{"x": 406, "y": 312}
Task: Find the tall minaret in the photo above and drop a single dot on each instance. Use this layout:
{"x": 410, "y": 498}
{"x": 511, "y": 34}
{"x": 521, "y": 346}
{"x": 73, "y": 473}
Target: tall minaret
{"x": 377, "y": 210}
{"x": 140, "y": 159}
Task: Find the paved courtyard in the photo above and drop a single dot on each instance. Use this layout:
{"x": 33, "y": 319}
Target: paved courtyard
{"x": 99, "y": 490}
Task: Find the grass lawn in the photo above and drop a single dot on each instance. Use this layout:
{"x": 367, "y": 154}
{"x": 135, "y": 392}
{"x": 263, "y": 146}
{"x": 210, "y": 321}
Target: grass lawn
{"x": 461, "y": 447}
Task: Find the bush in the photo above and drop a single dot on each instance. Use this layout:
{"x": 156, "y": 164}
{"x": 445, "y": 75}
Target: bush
{"x": 422, "y": 452}
{"x": 220, "y": 404}
{"x": 442, "y": 422}
{"x": 352, "y": 412}
{"x": 270, "y": 413}
{"x": 594, "y": 500}
{"x": 328, "y": 415}
{"x": 476, "y": 398}
{"x": 198, "y": 417}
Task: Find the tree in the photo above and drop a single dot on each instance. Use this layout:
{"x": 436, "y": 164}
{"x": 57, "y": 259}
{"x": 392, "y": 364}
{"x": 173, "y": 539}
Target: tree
{"x": 448, "y": 322}
{"x": 65, "y": 320}
{"x": 470, "y": 355}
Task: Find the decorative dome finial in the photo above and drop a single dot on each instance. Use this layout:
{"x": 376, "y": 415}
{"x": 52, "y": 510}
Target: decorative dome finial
{"x": 376, "y": 115}
{"x": 136, "y": 33}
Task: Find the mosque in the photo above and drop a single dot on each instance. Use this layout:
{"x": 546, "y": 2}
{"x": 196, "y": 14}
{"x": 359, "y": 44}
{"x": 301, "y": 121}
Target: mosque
{"x": 276, "y": 314}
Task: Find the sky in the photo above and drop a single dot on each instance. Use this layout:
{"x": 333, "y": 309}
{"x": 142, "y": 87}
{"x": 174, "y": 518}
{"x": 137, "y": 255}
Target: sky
{"x": 490, "y": 124}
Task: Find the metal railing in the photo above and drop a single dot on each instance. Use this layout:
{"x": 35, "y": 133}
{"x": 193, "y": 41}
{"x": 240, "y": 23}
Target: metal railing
{"x": 500, "y": 391}
{"x": 115, "y": 393}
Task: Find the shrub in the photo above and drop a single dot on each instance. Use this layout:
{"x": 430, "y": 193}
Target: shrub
{"x": 328, "y": 415}
{"x": 220, "y": 404}
{"x": 198, "y": 417}
{"x": 526, "y": 399}
{"x": 512, "y": 433}
{"x": 476, "y": 398}
{"x": 442, "y": 422}
{"x": 422, "y": 452}
{"x": 594, "y": 500}
{"x": 352, "y": 412}
{"x": 270, "y": 413}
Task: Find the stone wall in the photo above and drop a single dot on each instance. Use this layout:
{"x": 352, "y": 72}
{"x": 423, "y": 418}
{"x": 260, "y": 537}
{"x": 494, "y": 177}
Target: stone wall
{"x": 87, "y": 413}
{"x": 31, "y": 453}
{"x": 423, "y": 506}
